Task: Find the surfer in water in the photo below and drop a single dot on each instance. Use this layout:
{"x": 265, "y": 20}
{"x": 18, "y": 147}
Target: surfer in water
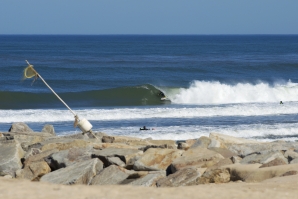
{"x": 281, "y": 102}
{"x": 144, "y": 128}
{"x": 161, "y": 94}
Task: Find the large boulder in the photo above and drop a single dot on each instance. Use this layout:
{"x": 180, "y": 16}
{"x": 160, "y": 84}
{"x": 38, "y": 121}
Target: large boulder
{"x": 19, "y": 127}
{"x": 196, "y": 157}
{"x": 148, "y": 180}
{"x": 202, "y": 142}
{"x": 215, "y": 176}
{"x": 183, "y": 177}
{"x": 65, "y": 158}
{"x": 263, "y": 157}
{"x": 156, "y": 159}
{"x": 11, "y": 154}
{"x": 48, "y": 129}
{"x": 243, "y": 150}
{"x": 64, "y": 144}
{"x": 226, "y": 139}
{"x": 78, "y": 173}
{"x": 35, "y": 166}
{"x": 125, "y": 155}
{"x": 111, "y": 175}
{"x": 262, "y": 174}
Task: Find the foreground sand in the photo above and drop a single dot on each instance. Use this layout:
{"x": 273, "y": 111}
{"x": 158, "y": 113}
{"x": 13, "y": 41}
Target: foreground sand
{"x": 279, "y": 188}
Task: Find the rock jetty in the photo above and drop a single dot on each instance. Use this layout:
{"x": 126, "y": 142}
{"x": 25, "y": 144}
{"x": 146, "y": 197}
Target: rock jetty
{"x": 118, "y": 160}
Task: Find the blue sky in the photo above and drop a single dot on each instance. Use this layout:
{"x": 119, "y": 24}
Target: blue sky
{"x": 149, "y": 17}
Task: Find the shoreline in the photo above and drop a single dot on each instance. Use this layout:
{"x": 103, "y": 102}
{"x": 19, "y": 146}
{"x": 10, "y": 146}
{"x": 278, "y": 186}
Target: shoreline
{"x": 80, "y": 166}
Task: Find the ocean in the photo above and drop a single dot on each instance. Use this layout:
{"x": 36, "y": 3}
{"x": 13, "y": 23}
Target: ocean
{"x": 229, "y": 84}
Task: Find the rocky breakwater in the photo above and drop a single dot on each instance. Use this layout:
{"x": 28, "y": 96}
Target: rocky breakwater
{"x": 119, "y": 160}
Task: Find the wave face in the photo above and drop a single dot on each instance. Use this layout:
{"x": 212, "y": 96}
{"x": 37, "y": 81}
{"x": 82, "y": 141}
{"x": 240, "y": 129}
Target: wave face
{"x": 214, "y": 92}
{"x": 198, "y": 93}
{"x": 123, "y": 96}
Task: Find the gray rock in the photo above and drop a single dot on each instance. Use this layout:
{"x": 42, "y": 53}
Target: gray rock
{"x": 291, "y": 155}
{"x": 124, "y": 154}
{"x": 294, "y": 161}
{"x": 202, "y": 142}
{"x": 19, "y": 127}
{"x": 31, "y": 152}
{"x": 275, "y": 162}
{"x": 262, "y": 158}
{"x": 236, "y": 159}
{"x": 11, "y": 154}
{"x": 183, "y": 177}
{"x": 111, "y": 175}
{"x": 49, "y": 129}
{"x": 149, "y": 180}
{"x": 156, "y": 159}
{"x": 78, "y": 173}
{"x": 196, "y": 157}
{"x": 68, "y": 157}
{"x": 243, "y": 150}
{"x": 116, "y": 161}
{"x": 226, "y": 153}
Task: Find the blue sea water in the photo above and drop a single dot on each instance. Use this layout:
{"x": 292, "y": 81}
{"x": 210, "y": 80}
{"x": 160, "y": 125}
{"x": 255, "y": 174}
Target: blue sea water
{"x": 230, "y": 84}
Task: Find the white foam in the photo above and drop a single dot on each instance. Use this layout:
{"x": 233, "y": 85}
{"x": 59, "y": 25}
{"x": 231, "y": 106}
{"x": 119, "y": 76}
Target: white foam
{"x": 214, "y": 92}
{"x": 54, "y": 115}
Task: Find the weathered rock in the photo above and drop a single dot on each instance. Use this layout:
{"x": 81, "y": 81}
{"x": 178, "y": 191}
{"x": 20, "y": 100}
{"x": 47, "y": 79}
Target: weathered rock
{"x": 250, "y": 148}
{"x": 183, "y": 146}
{"x": 19, "y": 127}
{"x": 270, "y": 172}
{"x": 215, "y": 176}
{"x": 295, "y": 161}
{"x": 226, "y": 139}
{"x": 202, "y": 142}
{"x": 263, "y": 158}
{"x": 64, "y": 144}
{"x": 291, "y": 155}
{"x": 241, "y": 171}
{"x": 275, "y": 162}
{"x": 34, "y": 170}
{"x": 222, "y": 151}
{"x": 78, "y": 173}
{"x": 111, "y": 175}
{"x": 156, "y": 159}
{"x": 236, "y": 159}
{"x": 11, "y": 153}
{"x": 113, "y": 145}
{"x": 183, "y": 177}
{"x": 124, "y": 154}
{"x": 196, "y": 157}
{"x": 49, "y": 129}
{"x": 116, "y": 161}
{"x": 119, "y": 139}
{"x": 153, "y": 146}
{"x": 68, "y": 157}
{"x": 148, "y": 180}
{"x": 31, "y": 152}
{"x": 289, "y": 173}
{"x": 221, "y": 163}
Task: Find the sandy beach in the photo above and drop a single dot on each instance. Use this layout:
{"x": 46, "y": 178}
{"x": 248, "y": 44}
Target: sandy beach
{"x": 279, "y": 188}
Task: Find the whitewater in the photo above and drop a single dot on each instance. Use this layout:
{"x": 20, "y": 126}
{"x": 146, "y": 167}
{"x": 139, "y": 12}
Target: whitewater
{"x": 242, "y": 109}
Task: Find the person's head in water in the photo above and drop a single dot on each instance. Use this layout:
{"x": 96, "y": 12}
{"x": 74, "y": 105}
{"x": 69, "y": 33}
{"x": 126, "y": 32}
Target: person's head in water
{"x": 281, "y": 102}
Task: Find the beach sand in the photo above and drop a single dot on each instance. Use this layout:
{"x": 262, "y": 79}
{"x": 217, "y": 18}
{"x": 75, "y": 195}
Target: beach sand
{"x": 279, "y": 188}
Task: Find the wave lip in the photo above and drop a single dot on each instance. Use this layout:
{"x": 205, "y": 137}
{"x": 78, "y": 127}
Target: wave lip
{"x": 214, "y": 92}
